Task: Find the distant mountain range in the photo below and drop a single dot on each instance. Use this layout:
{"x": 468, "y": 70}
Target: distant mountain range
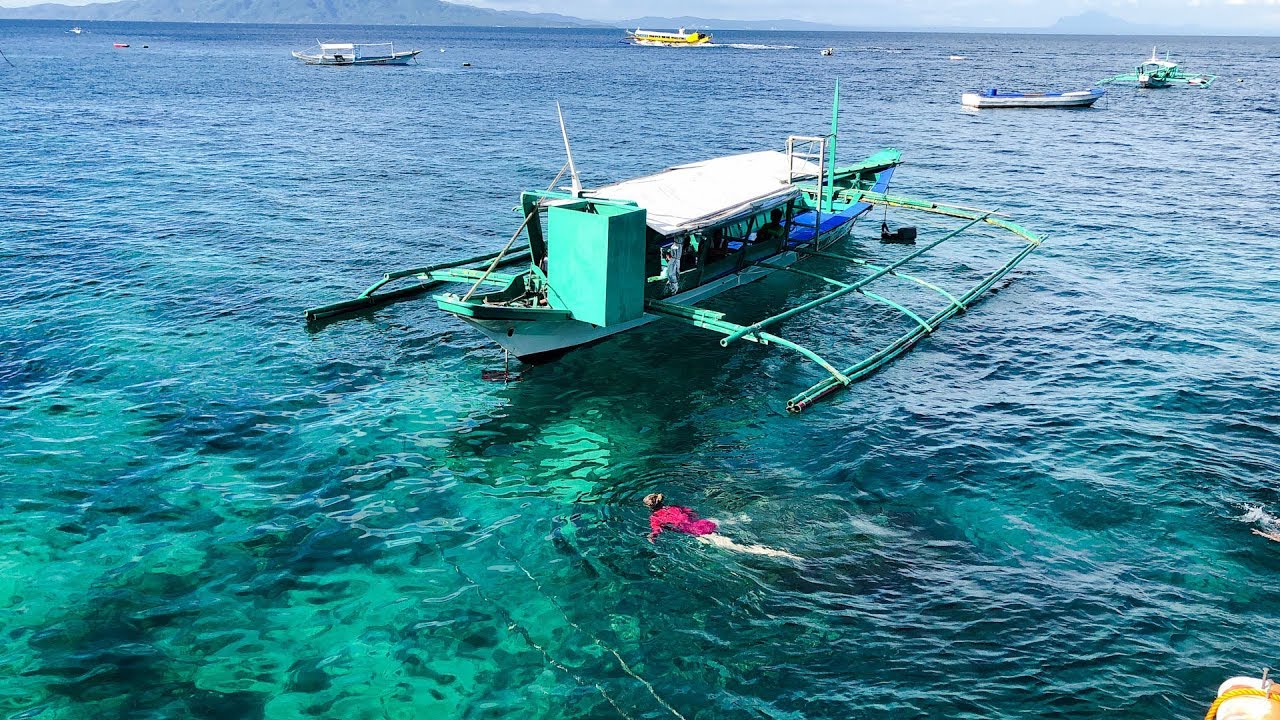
{"x": 697, "y": 23}
{"x": 1100, "y": 23}
{"x": 336, "y": 12}
{"x": 437, "y": 12}
{"x": 1094, "y": 23}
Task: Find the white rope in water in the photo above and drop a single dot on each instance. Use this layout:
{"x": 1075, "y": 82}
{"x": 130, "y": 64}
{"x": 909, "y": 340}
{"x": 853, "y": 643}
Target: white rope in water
{"x": 513, "y": 625}
{"x": 622, "y": 663}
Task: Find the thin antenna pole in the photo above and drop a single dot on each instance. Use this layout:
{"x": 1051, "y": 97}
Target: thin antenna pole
{"x": 573, "y": 169}
{"x": 831, "y": 161}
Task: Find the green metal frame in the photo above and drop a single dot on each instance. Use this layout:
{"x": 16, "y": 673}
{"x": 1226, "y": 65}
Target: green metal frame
{"x": 839, "y": 378}
{"x": 1177, "y": 76}
{"x": 429, "y": 278}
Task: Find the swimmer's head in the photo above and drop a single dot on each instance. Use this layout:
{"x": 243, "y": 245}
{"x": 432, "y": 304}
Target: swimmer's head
{"x": 653, "y": 501}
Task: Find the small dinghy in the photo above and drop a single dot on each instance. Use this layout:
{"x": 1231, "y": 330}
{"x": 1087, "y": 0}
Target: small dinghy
{"x": 994, "y": 98}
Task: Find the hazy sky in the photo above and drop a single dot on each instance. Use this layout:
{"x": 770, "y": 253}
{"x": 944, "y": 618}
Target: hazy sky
{"x": 969, "y": 13}
{"x": 1242, "y": 14}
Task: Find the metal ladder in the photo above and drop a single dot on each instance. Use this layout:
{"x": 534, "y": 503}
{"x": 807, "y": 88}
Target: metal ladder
{"x": 813, "y": 148}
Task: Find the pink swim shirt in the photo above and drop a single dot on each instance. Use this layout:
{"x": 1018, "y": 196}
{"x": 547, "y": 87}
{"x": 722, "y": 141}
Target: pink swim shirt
{"x": 680, "y": 519}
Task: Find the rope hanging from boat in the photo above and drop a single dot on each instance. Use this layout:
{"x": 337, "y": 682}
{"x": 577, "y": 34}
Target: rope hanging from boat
{"x": 498, "y": 258}
{"x": 6, "y": 59}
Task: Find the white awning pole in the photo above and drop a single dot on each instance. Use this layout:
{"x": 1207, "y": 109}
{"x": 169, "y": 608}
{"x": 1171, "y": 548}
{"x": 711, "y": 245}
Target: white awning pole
{"x": 573, "y": 169}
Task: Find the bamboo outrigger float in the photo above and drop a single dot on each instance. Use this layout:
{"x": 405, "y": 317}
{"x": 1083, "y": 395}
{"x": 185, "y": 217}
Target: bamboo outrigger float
{"x": 621, "y": 256}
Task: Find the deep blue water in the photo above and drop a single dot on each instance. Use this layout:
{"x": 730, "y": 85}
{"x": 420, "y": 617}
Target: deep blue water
{"x": 207, "y": 511}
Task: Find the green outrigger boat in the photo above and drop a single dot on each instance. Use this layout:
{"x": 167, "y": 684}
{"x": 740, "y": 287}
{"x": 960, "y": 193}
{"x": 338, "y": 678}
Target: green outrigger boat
{"x": 1155, "y": 72}
{"x": 604, "y": 261}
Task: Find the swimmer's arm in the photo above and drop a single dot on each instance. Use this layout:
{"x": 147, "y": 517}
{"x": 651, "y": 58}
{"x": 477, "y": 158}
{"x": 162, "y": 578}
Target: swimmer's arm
{"x": 1268, "y": 535}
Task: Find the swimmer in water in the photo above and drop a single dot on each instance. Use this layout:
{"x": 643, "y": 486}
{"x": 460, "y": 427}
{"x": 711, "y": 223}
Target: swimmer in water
{"x": 684, "y": 520}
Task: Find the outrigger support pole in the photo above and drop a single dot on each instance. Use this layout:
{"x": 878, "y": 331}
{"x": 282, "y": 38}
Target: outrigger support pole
{"x": 433, "y": 276}
{"x": 990, "y": 217}
{"x": 715, "y": 321}
{"x": 712, "y": 320}
{"x": 430, "y": 277}
{"x": 756, "y": 327}
{"x": 871, "y": 364}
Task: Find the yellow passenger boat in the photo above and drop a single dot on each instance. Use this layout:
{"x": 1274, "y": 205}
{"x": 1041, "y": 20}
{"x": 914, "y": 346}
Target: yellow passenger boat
{"x": 680, "y": 38}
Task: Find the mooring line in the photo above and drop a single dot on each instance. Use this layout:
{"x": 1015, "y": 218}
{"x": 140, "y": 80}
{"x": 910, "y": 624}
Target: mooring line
{"x": 6, "y": 59}
{"x": 622, "y": 663}
{"x": 513, "y": 625}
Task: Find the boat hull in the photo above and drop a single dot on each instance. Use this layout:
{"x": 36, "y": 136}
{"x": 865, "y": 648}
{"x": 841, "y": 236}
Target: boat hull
{"x": 669, "y": 43}
{"x": 400, "y": 58}
{"x": 1082, "y": 98}
{"x": 542, "y": 340}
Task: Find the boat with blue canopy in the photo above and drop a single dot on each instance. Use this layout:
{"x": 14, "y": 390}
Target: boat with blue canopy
{"x": 995, "y": 98}
{"x": 607, "y": 260}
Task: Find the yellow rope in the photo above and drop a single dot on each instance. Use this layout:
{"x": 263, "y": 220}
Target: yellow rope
{"x": 1238, "y": 692}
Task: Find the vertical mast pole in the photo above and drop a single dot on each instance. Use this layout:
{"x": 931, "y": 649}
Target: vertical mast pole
{"x": 573, "y": 169}
{"x": 831, "y": 153}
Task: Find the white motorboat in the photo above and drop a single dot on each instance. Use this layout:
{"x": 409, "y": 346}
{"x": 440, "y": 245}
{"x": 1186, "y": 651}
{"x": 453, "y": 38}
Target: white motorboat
{"x": 994, "y": 98}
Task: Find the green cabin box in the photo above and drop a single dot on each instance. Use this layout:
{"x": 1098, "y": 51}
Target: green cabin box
{"x": 595, "y": 260}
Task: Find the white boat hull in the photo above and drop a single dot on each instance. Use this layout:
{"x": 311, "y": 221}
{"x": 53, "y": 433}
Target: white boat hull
{"x": 1083, "y": 98}
{"x": 400, "y": 58}
{"x": 532, "y": 339}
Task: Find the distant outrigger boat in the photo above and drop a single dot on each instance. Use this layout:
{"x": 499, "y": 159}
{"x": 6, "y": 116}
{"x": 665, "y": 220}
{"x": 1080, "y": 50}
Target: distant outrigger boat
{"x": 1160, "y": 73}
{"x": 357, "y": 54}
{"x": 680, "y": 38}
{"x": 601, "y": 262}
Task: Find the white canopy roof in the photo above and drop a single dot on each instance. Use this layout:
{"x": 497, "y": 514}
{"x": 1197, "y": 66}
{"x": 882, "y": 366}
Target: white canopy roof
{"x": 333, "y": 47}
{"x": 688, "y": 197}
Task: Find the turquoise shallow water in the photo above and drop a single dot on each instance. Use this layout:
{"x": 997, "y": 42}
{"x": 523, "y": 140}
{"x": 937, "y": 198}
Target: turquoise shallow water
{"x": 209, "y": 512}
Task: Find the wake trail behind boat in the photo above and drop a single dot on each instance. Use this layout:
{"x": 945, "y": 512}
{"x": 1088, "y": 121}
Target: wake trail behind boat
{"x": 752, "y": 46}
